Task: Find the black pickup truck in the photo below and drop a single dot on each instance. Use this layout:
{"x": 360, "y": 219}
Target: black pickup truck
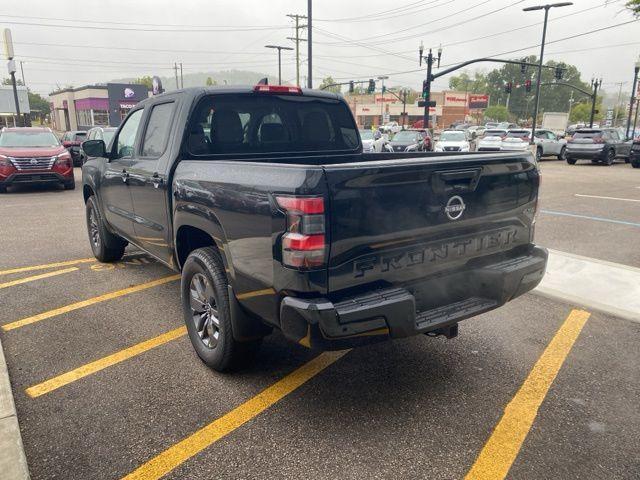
{"x": 263, "y": 199}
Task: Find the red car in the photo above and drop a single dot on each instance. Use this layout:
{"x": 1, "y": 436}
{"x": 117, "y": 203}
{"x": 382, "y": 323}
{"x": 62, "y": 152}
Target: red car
{"x": 33, "y": 155}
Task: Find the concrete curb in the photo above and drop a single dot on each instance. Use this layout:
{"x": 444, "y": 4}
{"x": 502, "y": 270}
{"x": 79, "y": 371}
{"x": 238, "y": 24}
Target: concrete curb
{"x": 13, "y": 462}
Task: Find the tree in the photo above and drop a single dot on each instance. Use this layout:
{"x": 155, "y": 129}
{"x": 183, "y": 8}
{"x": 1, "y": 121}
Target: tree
{"x": 465, "y": 83}
{"x": 328, "y": 81}
{"x": 146, "y": 81}
{"x": 7, "y": 81}
{"x": 634, "y": 6}
{"x": 498, "y": 113}
{"x": 39, "y": 103}
{"x": 211, "y": 82}
{"x": 581, "y": 112}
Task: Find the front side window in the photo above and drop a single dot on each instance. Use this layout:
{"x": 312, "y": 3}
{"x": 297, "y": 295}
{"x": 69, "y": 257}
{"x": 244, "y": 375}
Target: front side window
{"x": 265, "y": 123}
{"x": 127, "y": 135}
{"x": 155, "y": 136}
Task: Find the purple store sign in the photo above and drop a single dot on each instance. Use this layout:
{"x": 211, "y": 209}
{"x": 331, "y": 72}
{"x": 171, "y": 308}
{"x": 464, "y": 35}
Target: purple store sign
{"x": 92, "y": 104}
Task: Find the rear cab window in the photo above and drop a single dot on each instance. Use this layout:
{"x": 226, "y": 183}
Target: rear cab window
{"x": 255, "y": 123}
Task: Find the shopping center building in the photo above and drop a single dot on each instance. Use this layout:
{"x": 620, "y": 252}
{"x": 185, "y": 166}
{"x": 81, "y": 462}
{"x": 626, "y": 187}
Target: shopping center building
{"x": 94, "y": 105}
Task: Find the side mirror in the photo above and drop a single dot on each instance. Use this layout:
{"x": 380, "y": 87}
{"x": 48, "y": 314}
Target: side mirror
{"x": 94, "y": 148}
{"x": 66, "y": 144}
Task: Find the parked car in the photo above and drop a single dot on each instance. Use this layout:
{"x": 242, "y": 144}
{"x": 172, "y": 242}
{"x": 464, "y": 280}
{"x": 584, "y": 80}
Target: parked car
{"x": 516, "y": 140}
{"x": 549, "y": 144}
{"x": 71, "y": 141}
{"x": 491, "y": 125}
{"x": 98, "y": 133}
{"x": 491, "y": 140}
{"x": 375, "y": 141}
{"x": 407, "y": 138}
{"x": 391, "y": 127}
{"x": 602, "y": 145}
{"x": 452, "y": 141}
{"x": 330, "y": 245}
{"x": 634, "y": 156}
{"x": 33, "y": 155}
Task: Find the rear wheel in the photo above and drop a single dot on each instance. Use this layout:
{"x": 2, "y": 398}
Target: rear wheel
{"x": 205, "y": 304}
{"x": 100, "y": 237}
{"x": 611, "y": 156}
{"x": 563, "y": 154}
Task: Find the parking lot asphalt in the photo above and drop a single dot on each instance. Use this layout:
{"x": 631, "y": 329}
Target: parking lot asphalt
{"x": 108, "y": 385}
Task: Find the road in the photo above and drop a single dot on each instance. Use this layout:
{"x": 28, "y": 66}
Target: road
{"x": 107, "y": 385}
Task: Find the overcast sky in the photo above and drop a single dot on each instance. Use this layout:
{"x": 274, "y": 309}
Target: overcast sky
{"x": 69, "y": 42}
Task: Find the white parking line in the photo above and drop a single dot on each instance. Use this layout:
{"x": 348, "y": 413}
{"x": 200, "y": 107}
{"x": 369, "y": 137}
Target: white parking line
{"x": 608, "y": 198}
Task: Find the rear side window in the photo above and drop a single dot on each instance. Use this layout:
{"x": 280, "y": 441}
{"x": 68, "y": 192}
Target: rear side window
{"x": 264, "y": 123}
{"x": 155, "y": 136}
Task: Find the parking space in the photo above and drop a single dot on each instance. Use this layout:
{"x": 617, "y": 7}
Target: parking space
{"x": 107, "y": 384}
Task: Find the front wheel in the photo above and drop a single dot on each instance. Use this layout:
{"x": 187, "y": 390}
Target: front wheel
{"x": 106, "y": 246}
{"x": 70, "y": 185}
{"x": 3, "y": 189}
{"x": 538, "y": 154}
{"x": 563, "y": 154}
{"x": 635, "y": 164}
{"x": 205, "y": 304}
{"x": 571, "y": 161}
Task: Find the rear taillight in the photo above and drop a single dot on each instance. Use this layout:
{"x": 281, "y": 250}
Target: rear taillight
{"x": 277, "y": 89}
{"x": 304, "y": 243}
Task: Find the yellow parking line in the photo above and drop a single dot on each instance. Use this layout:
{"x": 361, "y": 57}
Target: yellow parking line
{"x": 93, "y": 367}
{"x": 47, "y": 265}
{"x": 37, "y": 277}
{"x": 182, "y": 451}
{"x": 505, "y": 442}
{"x": 85, "y": 303}
{"x": 255, "y": 293}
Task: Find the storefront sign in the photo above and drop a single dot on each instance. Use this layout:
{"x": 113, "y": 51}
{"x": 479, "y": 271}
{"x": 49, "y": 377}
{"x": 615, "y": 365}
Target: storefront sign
{"x": 478, "y": 101}
{"x": 452, "y": 99}
{"x": 123, "y": 97}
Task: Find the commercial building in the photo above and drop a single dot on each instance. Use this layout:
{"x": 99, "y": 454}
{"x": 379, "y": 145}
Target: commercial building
{"x": 94, "y": 105}
{"x": 451, "y": 107}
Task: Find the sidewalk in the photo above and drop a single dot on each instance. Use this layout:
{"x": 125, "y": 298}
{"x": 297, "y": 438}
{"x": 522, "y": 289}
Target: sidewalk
{"x": 13, "y": 464}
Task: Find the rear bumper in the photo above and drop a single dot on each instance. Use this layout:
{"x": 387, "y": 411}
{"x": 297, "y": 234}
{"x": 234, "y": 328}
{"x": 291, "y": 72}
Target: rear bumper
{"x": 396, "y": 313}
{"x": 585, "y": 154}
{"x": 36, "y": 178}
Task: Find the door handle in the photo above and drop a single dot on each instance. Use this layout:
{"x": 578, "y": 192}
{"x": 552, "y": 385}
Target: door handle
{"x": 156, "y": 179}
{"x": 124, "y": 175}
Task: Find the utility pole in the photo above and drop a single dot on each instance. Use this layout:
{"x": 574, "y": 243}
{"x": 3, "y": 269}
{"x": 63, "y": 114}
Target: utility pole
{"x": 22, "y": 72}
{"x": 635, "y": 119}
{"x": 426, "y": 85}
{"x": 633, "y": 96}
{"x": 539, "y": 76}
{"x": 175, "y": 70}
{"x": 595, "y": 85}
{"x": 309, "y": 46}
{"x": 383, "y": 78}
{"x": 617, "y": 109}
{"x": 297, "y": 39}
{"x": 181, "y": 78}
{"x": 8, "y": 48}
{"x": 279, "y": 48}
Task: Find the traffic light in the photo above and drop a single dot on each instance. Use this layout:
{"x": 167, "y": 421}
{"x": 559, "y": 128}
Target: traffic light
{"x": 384, "y": 89}
{"x": 523, "y": 68}
{"x": 527, "y": 85}
{"x": 508, "y": 87}
{"x": 559, "y": 72}
{"x": 372, "y": 86}
{"x": 425, "y": 89}
{"x": 351, "y": 89}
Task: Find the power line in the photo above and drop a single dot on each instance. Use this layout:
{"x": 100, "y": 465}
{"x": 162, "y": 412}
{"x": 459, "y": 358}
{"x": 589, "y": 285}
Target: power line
{"x": 377, "y": 14}
{"x": 297, "y": 39}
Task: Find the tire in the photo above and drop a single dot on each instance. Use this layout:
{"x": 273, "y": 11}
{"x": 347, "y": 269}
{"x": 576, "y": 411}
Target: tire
{"x": 610, "y": 157}
{"x": 100, "y": 237}
{"x": 70, "y": 185}
{"x": 571, "y": 161}
{"x": 538, "y": 154}
{"x": 205, "y": 305}
{"x": 635, "y": 164}
{"x": 563, "y": 154}
{"x": 3, "y": 189}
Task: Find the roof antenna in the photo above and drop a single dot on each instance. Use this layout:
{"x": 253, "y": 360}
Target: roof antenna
{"x": 263, "y": 81}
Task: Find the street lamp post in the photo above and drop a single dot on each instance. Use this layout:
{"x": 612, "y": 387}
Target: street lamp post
{"x": 426, "y": 89}
{"x": 279, "y": 48}
{"x": 633, "y": 95}
{"x": 536, "y": 104}
{"x": 382, "y": 78}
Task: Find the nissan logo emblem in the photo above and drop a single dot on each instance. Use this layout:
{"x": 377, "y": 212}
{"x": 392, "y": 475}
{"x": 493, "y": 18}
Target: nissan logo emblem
{"x": 455, "y": 208}
{"x": 33, "y": 161}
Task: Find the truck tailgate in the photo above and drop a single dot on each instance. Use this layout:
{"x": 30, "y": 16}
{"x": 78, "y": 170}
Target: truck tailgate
{"x": 395, "y": 221}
